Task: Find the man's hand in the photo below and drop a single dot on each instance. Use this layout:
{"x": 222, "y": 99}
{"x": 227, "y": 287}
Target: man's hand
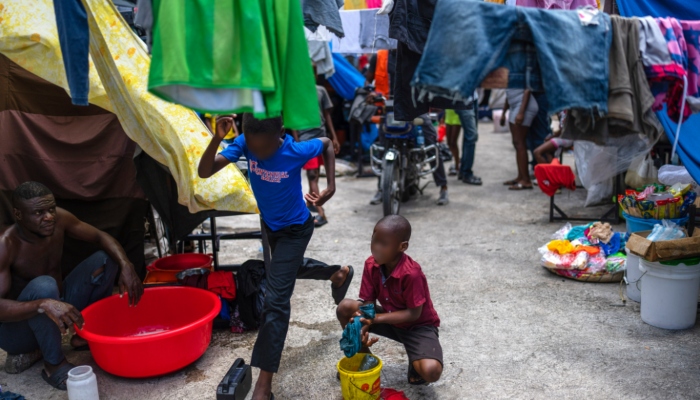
{"x": 130, "y": 283}
{"x": 320, "y": 199}
{"x": 336, "y": 146}
{"x": 224, "y": 124}
{"x": 63, "y": 314}
{"x": 503, "y": 118}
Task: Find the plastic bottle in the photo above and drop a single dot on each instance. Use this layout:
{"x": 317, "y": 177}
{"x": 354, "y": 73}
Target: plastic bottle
{"x": 82, "y": 384}
{"x": 420, "y": 139}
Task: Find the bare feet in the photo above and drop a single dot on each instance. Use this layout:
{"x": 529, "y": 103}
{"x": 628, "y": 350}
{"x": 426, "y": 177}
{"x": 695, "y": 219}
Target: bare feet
{"x": 339, "y": 277}
{"x": 263, "y": 387}
{"x": 76, "y": 341}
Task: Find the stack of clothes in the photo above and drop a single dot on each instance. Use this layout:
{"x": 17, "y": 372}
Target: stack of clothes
{"x": 586, "y": 249}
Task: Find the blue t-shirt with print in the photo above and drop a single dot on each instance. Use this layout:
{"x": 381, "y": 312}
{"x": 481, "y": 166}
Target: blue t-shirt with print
{"x": 276, "y": 182}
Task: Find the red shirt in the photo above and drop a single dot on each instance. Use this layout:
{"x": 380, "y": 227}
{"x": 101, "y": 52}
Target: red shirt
{"x": 405, "y": 288}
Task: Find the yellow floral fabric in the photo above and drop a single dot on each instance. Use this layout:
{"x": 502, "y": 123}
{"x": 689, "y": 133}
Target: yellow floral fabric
{"x": 119, "y": 64}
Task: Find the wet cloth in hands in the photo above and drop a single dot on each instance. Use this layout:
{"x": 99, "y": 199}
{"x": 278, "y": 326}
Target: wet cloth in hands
{"x": 351, "y": 342}
{"x": 517, "y": 38}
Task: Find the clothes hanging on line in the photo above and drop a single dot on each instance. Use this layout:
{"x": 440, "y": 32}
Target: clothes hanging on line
{"x": 325, "y": 13}
{"x": 668, "y": 81}
{"x": 518, "y": 39}
{"x": 629, "y": 98}
{"x": 144, "y": 20}
{"x": 74, "y": 37}
{"x": 410, "y": 23}
{"x": 231, "y": 57}
{"x": 321, "y": 55}
{"x": 558, "y": 4}
{"x": 365, "y": 32}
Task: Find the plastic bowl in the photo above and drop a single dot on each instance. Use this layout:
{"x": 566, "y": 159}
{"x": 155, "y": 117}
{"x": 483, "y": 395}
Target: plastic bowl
{"x": 178, "y": 262}
{"x": 635, "y": 224}
{"x": 169, "y": 329}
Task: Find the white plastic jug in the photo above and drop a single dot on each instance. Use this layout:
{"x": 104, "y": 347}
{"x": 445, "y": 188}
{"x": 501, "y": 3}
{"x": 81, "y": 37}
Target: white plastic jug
{"x": 82, "y": 384}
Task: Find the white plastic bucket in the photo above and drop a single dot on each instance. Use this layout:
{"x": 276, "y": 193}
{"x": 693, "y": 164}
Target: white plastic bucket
{"x": 670, "y": 295}
{"x": 497, "y": 128}
{"x": 633, "y": 278}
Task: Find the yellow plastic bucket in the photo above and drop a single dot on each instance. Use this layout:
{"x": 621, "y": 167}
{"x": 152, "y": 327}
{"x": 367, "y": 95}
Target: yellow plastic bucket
{"x": 359, "y": 385}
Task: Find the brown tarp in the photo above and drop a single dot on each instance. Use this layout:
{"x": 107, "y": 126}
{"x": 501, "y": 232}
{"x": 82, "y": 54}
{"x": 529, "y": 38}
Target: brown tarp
{"x": 78, "y": 152}
{"x": 81, "y": 153}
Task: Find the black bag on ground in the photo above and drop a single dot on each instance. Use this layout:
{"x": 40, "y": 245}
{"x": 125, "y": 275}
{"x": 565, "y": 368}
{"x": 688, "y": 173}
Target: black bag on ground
{"x": 249, "y": 287}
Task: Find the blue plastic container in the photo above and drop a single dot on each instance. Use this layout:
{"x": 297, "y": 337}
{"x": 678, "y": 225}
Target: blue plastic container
{"x": 635, "y": 224}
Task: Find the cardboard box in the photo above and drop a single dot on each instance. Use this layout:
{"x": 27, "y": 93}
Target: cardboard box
{"x": 667, "y": 250}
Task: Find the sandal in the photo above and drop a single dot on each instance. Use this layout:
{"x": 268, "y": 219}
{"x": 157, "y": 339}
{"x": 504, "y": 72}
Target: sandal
{"x": 414, "y": 378}
{"x": 340, "y": 291}
{"x": 520, "y": 186}
{"x": 453, "y": 171}
{"x": 473, "y": 180}
{"x": 58, "y": 379}
{"x": 510, "y": 182}
{"x": 319, "y": 221}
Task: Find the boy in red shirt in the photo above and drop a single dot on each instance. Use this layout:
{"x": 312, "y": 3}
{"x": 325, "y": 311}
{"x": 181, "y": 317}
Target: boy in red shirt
{"x": 405, "y": 312}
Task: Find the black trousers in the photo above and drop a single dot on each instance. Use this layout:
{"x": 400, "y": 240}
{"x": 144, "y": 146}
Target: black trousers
{"x": 286, "y": 266}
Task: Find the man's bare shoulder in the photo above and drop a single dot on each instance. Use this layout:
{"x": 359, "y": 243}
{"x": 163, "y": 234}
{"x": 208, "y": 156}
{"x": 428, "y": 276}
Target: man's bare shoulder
{"x": 8, "y": 242}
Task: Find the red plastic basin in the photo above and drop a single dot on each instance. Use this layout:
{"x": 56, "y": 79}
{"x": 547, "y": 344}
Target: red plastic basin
{"x": 169, "y": 329}
{"x": 179, "y": 262}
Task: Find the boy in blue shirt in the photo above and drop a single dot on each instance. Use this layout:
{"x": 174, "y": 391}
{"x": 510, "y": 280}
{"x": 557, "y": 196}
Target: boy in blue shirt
{"x": 274, "y": 166}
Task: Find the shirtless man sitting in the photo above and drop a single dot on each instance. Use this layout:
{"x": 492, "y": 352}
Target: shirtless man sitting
{"x": 37, "y": 305}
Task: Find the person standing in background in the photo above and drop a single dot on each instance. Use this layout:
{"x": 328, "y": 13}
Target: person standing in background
{"x": 313, "y": 167}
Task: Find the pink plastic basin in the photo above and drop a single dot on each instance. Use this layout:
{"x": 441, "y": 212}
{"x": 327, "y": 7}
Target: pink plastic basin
{"x": 169, "y": 329}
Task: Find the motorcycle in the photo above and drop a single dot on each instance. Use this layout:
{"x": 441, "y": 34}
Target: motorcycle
{"x": 401, "y": 158}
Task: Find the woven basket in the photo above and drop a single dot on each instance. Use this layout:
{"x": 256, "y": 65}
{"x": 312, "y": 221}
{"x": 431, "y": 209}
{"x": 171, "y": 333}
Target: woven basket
{"x": 598, "y": 277}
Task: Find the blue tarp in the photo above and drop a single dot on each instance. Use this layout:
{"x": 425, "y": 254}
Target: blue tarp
{"x": 689, "y": 143}
{"x": 346, "y": 78}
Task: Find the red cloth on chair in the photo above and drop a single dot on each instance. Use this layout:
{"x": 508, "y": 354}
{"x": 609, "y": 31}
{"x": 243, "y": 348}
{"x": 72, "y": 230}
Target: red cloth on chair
{"x": 552, "y": 177}
{"x": 222, "y": 283}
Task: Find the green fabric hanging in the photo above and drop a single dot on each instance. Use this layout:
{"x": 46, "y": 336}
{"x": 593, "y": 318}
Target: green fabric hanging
{"x": 224, "y": 56}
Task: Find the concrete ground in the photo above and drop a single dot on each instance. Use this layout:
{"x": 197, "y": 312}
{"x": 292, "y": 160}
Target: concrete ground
{"x": 510, "y": 329}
